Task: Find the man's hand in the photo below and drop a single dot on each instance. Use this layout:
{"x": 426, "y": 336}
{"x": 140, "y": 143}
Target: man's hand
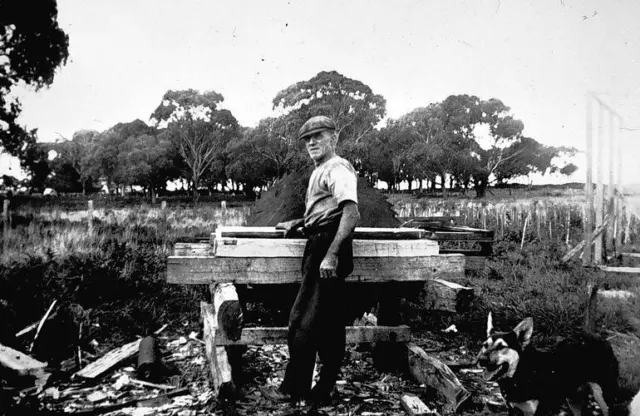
{"x": 290, "y": 227}
{"x": 329, "y": 266}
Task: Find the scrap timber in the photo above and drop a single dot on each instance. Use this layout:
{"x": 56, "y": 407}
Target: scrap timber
{"x": 261, "y": 255}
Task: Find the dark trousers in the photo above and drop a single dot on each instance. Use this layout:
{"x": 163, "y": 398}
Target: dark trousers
{"x": 317, "y": 320}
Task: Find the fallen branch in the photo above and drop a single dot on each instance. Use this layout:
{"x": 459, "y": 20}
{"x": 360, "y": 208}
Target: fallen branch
{"x": 44, "y": 318}
{"x": 580, "y": 246}
{"x": 33, "y": 326}
{"x": 152, "y": 385}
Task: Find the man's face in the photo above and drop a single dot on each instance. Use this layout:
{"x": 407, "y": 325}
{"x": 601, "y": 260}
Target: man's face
{"x": 319, "y": 146}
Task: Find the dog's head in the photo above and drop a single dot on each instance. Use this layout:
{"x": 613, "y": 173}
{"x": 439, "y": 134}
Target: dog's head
{"x": 501, "y": 351}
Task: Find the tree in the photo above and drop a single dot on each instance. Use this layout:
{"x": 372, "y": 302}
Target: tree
{"x": 67, "y": 164}
{"x": 531, "y": 156}
{"x": 199, "y": 128}
{"x": 32, "y": 46}
{"x": 103, "y": 159}
{"x": 255, "y": 160}
{"x": 349, "y": 102}
{"x": 147, "y": 162}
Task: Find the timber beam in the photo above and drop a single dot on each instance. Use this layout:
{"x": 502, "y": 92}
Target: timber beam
{"x": 282, "y": 270}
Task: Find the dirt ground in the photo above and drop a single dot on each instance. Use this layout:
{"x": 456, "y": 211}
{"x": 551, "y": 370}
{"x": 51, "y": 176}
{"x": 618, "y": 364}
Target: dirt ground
{"x": 362, "y": 389}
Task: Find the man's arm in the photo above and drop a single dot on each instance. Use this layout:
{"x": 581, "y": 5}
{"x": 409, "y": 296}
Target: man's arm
{"x": 348, "y": 221}
{"x": 290, "y": 227}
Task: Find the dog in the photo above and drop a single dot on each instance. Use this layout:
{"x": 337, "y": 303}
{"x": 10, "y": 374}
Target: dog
{"x": 540, "y": 382}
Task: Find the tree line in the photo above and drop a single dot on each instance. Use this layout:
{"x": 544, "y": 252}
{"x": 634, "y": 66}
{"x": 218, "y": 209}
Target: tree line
{"x": 462, "y": 142}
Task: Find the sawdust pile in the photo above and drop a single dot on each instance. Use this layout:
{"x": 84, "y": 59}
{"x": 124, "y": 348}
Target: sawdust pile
{"x": 285, "y": 201}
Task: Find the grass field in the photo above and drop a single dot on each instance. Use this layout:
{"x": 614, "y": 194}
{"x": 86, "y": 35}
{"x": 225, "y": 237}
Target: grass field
{"x": 111, "y": 271}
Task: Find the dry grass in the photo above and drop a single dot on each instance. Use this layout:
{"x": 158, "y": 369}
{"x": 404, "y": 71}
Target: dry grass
{"x": 116, "y": 268}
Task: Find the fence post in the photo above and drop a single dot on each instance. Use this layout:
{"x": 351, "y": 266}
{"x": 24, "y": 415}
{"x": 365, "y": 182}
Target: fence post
{"x": 619, "y": 199}
{"x": 90, "y": 215}
{"x": 597, "y": 254}
{"x": 588, "y": 187}
{"x": 163, "y": 207}
{"x": 6, "y": 225}
{"x": 568, "y": 226}
{"x": 610, "y": 191}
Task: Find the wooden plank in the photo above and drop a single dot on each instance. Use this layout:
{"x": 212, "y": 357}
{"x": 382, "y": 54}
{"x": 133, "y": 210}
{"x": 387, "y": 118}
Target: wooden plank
{"x": 435, "y": 374}
{"x": 360, "y": 233}
{"x": 279, "y": 270}
{"x": 354, "y": 335}
{"x": 634, "y": 255}
{"x": 20, "y": 363}
{"x": 192, "y": 249}
{"x": 458, "y": 236}
{"x": 627, "y": 270}
{"x": 112, "y": 358}
{"x": 581, "y": 245}
{"x": 109, "y": 360}
{"x": 270, "y": 247}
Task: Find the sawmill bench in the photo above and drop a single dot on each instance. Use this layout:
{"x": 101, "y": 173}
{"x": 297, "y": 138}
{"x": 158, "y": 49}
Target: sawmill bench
{"x": 262, "y": 256}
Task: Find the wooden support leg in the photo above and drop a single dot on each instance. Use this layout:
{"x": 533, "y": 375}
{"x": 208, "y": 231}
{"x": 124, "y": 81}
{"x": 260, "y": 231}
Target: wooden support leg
{"x": 389, "y": 356}
{"x": 222, "y": 315}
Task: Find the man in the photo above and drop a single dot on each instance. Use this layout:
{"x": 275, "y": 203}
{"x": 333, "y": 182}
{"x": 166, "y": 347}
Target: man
{"x": 317, "y": 321}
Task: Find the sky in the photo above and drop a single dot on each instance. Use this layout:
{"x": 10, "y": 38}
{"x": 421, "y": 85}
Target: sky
{"x": 540, "y": 58}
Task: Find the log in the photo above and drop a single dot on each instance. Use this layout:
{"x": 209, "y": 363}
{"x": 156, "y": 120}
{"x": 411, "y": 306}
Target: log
{"x": 354, "y": 335}
{"x": 360, "y": 233}
{"x": 19, "y": 363}
{"x": 221, "y": 375}
{"x": 280, "y": 270}
{"x": 414, "y": 406}
{"x": 434, "y": 374}
{"x": 270, "y": 247}
{"x": 447, "y": 296}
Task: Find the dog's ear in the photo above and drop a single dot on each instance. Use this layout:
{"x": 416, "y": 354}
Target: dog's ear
{"x": 523, "y": 331}
{"x": 489, "y": 325}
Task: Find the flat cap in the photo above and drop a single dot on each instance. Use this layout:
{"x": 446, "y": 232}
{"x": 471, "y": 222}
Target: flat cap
{"x": 315, "y": 125}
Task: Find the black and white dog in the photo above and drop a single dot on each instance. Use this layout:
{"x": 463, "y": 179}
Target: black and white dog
{"x": 532, "y": 381}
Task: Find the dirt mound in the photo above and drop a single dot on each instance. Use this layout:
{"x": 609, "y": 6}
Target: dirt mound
{"x": 285, "y": 201}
